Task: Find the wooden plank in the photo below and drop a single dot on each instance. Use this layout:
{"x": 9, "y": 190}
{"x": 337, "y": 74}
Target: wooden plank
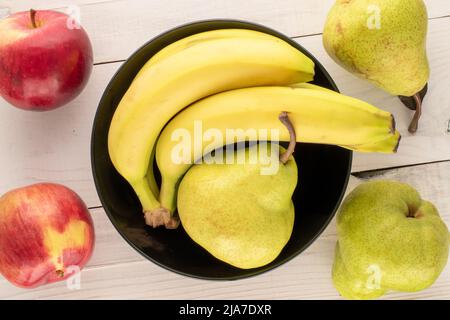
{"x": 112, "y": 23}
{"x": 116, "y": 271}
{"x": 136, "y": 22}
{"x": 54, "y": 146}
{"x": 110, "y": 247}
{"x": 23, "y": 5}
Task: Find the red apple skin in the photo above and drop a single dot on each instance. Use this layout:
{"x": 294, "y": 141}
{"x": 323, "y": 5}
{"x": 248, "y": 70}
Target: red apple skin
{"x": 44, "y": 229}
{"x": 42, "y": 68}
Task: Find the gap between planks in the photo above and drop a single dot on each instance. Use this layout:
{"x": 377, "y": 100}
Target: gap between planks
{"x": 365, "y": 174}
{"x": 376, "y": 172}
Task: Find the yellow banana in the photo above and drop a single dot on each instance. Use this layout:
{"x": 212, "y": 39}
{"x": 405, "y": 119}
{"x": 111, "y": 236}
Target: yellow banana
{"x": 390, "y": 143}
{"x": 198, "y": 38}
{"x": 318, "y": 116}
{"x": 181, "y": 78}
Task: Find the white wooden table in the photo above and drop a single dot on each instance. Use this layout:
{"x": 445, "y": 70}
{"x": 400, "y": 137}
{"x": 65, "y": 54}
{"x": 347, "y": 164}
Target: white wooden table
{"x": 54, "y": 146}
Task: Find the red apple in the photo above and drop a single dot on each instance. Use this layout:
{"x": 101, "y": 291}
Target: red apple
{"x": 45, "y": 230}
{"x": 44, "y": 61}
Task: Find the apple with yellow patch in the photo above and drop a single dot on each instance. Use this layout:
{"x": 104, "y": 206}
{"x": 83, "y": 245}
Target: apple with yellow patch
{"x": 45, "y": 231}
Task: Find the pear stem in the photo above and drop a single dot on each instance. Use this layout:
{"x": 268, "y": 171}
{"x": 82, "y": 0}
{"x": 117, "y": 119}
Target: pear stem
{"x": 415, "y": 121}
{"x": 284, "y": 118}
{"x": 33, "y": 18}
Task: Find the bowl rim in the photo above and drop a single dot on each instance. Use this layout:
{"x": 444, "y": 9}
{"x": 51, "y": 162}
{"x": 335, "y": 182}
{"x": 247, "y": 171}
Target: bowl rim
{"x": 257, "y": 271}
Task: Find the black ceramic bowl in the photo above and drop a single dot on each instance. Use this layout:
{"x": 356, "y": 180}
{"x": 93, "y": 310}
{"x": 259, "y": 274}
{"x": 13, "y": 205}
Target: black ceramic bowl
{"x": 323, "y": 176}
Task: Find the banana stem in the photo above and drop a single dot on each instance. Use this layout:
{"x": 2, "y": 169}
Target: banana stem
{"x": 415, "y": 121}
{"x": 284, "y": 118}
{"x": 161, "y": 217}
{"x": 33, "y": 18}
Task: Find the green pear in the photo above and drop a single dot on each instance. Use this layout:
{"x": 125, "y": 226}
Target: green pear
{"x": 389, "y": 239}
{"x": 384, "y": 42}
{"x": 239, "y": 211}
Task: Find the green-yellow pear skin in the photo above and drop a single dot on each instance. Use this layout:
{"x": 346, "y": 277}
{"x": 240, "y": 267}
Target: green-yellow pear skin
{"x": 383, "y": 41}
{"x": 237, "y": 214}
{"x": 353, "y": 286}
{"x": 389, "y": 239}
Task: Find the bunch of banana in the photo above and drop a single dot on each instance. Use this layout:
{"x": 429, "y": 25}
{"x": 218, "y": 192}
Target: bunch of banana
{"x": 230, "y": 79}
{"x": 180, "y": 74}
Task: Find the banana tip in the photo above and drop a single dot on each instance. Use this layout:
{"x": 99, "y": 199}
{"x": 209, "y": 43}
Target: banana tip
{"x": 393, "y": 124}
{"x": 398, "y": 144}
